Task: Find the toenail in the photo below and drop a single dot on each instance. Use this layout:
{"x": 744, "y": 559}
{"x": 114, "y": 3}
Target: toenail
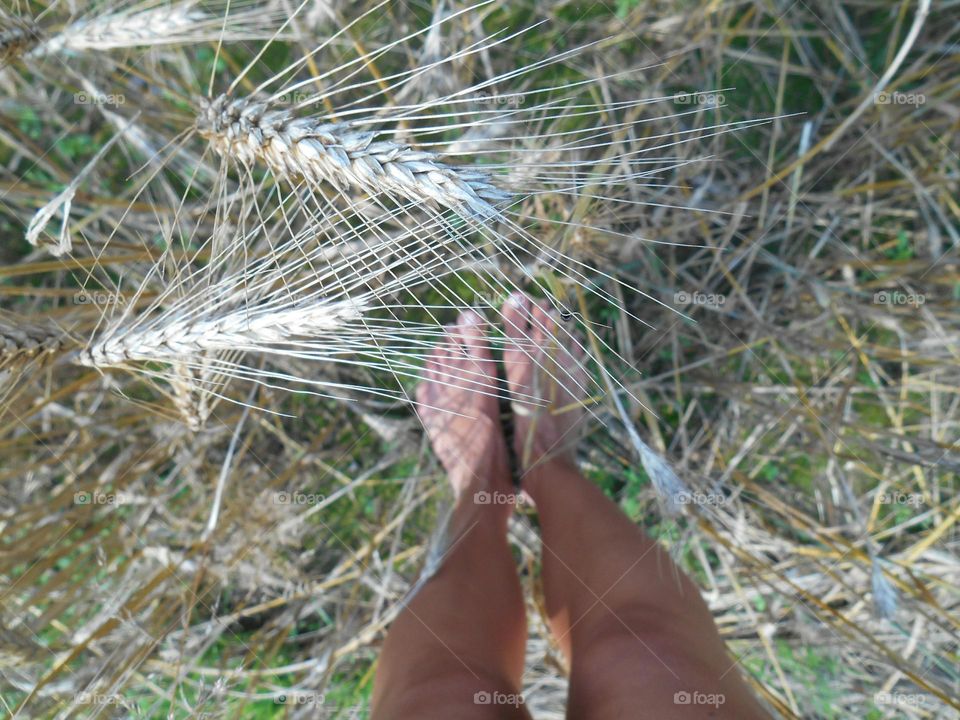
{"x": 520, "y": 410}
{"x": 516, "y": 300}
{"x": 470, "y": 317}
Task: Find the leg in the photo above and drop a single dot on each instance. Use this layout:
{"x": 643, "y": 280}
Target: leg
{"x": 458, "y": 646}
{"x": 634, "y": 628}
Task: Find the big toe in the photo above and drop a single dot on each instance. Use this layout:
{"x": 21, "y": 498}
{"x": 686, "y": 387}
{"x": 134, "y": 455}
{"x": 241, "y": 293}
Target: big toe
{"x": 474, "y": 364}
{"x": 470, "y": 338}
{"x": 561, "y": 358}
{"x": 516, "y": 315}
{"x": 457, "y": 377}
{"x": 544, "y": 325}
{"x": 517, "y": 350}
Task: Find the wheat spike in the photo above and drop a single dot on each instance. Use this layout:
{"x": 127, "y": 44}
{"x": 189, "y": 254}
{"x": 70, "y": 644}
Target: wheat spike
{"x": 125, "y": 29}
{"x": 144, "y": 24}
{"x": 21, "y": 341}
{"x": 248, "y": 131}
{"x": 246, "y": 328}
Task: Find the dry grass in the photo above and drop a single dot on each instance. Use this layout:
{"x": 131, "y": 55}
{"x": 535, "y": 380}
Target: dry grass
{"x": 810, "y": 400}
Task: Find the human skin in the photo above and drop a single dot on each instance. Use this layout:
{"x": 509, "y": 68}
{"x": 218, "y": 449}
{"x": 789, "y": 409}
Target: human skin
{"x": 635, "y": 631}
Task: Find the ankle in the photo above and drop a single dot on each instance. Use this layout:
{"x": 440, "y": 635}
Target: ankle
{"x": 545, "y": 472}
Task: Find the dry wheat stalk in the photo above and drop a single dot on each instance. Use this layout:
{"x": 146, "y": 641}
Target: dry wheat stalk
{"x": 341, "y": 154}
{"x": 62, "y": 204}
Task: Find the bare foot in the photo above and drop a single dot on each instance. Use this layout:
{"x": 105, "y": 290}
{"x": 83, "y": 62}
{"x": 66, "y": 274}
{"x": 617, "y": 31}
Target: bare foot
{"x": 457, "y": 403}
{"x": 545, "y": 376}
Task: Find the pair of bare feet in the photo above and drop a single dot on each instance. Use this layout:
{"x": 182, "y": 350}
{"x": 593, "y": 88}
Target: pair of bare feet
{"x": 458, "y": 399}
{"x": 633, "y": 629}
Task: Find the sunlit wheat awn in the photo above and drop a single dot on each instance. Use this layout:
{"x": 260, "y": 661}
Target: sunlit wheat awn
{"x": 471, "y": 187}
{"x": 435, "y": 184}
{"x": 283, "y": 305}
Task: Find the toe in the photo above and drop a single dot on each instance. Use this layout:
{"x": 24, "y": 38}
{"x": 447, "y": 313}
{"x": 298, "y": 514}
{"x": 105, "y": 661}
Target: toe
{"x": 423, "y": 396}
{"x": 462, "y": 362}
{"x": 438, "y": 361}
{"x": 560, "y": 355}
{"x": 543, "y": 324}
{"x": 516, "y": 315}
{"x": 516, "y": 351}
{"x": 478, "y": 369}
{"x": 469, "y": 334}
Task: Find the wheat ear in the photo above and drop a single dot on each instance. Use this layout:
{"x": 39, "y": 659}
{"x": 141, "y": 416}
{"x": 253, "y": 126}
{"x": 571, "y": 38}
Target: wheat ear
{"x": 243, "y": 329}
{"x": 125, "y": 29}
{"x": 338, "y": 153}
{"x": 22, "y": 341}
{"x": 139, "y": 26}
